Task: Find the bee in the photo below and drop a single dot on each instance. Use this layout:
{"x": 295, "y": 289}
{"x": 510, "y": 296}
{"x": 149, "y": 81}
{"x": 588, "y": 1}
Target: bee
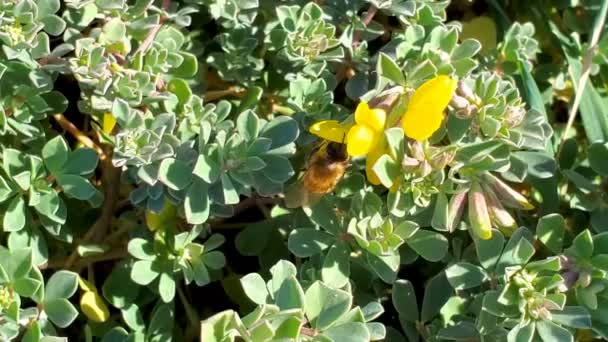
{"x": 323, "y": 171}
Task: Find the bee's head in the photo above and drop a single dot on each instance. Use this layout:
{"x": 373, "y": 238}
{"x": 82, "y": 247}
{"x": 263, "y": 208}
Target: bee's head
{"x": 336, "y": 152}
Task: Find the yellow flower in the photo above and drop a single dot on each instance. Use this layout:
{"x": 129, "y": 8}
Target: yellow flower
{"x": 330, "y": 130}
{"x": 425, "y": 109}
{"x": 367, "y": 131}
{"x": 91, "y": 303}
{"x": 108, "y": 123}
{"x": 366, "y": 137}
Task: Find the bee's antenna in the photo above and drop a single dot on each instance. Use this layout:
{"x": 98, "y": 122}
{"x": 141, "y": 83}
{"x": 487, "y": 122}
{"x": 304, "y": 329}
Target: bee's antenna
{"x": 343, "y": 137}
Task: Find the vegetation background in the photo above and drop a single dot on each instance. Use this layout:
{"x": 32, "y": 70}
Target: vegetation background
{"x": 148, "y": 149}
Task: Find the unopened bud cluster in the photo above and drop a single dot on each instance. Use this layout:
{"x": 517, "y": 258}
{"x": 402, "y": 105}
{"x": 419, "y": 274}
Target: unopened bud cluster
{"x": 488, "y": 199}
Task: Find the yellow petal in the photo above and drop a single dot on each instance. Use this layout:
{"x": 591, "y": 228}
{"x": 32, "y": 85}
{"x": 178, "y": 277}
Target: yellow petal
{"x": 375, "y": 118}
{"x": 108, "y": 122}
{"x": 93, "y": 307}
{"x": 330, "y": 130}
{"x": 85, "y": 285}
{"x": 376, "y": 152}
{"x": 360, "y": 140}
{"x": 425, "y": 110}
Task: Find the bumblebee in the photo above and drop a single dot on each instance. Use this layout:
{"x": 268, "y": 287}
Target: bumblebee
{"x": 323, "y": 170}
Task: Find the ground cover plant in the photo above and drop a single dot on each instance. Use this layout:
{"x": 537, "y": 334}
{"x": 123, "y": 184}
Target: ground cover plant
{"x": 345, "y": 170}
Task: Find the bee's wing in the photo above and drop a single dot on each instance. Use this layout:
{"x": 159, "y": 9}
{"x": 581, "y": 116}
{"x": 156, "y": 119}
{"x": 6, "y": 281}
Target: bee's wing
{"x": 296, "y": 196}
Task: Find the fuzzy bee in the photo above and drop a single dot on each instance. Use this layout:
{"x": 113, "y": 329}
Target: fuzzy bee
{"x": 323, "y": 170}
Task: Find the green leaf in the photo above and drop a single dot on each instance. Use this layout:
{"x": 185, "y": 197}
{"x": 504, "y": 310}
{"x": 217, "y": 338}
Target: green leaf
{"x": 114, "y": 30}
{"x": 550, "y": 332}
{"x": 290, "y": 294}
{"x": 324, "y": 305}
{"x": 463, "y": 275}
{"x": 404, "y": 300}
{"x": 540, "y": 164}
{"x": 141, "y": 249}
{"x": 388, "y": 69}
{"x": 118, "y": 288}
{"x": 161, "y": 324}
{"x": 583, "y": 244}
{"x": 522, "y": 333}
{"x": 132, "y": 315}
{"x": 305, "y": 242}
{"x": 248, "y": 124}
{"x": 595, "y": 122}
{"x": 196, "y": 203}
{"x": 572, "y": 316}
{"x": 436, "y": 293}
{"x": 431, "y": 246}
{"x": 143, "y": 272}
{"x": 598, "y": 157}
{"x": 255, "y": 288}
{"x": 550, "y": 231}
{"x": 62, "y": 284}
{"x": 174, "y": 173}
{"x": 19, "y": 263}
{"x": 53, "y": 24}
{"x": 33, "y": 333}
{"x": 55, "y": 154}
{"x": 181, "y": 89}
{"x": 355, "y": 332}
{"x": 387, "y": 170}
{"x": 231, "y": 195}
{"x": 336, "y": 266}
{"x": 14, "y": 217}
{"x": 82, "y": 161}
{"x": 489, "y": 251}
{"x": 281, "y": 131}
{"x": 76, "y": 186}
{"x": 60, "y": 311}
{"x": 166, "y": 286}
{"x": 26, "y": 287}
{"x": 278, "y": 169}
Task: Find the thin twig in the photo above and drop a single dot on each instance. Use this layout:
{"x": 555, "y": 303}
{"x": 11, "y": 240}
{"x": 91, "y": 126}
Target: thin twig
{"x": 152, "y": 34}
{"x": 213, "y": 95}
{"x": 587, "y": 62}
{"x": 111, "y": 255}
{"x": 369, "y": 15}
{"x": 78, "y": 135}
{"x": 111, "y": 182}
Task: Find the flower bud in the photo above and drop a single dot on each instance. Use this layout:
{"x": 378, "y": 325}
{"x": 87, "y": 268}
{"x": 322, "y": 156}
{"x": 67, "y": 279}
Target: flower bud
{"x": 479, "y": 218}
{"x": 584, "y": 278}
{"x": 570, "y": 278}
{"x": 458, "y": 102}
{"x": 465, "y": 91}
{"x": 501, "y": 218}
{"x": 506, "y": 195}
{"x": 466, "y": 113}
{"x": 417, "y": 150}
{"x": 409, "y": 163}
{"x": 514, "y": 115}
{"x": 455, "y": 209}
{"x": 441, "y": 159}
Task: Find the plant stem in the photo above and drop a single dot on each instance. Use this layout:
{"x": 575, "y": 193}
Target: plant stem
{"x": 369, "y": 15}
{"x": 115, "y": 254}
{"x": 213, "y": 95}
{"x": 587, "y": 62}
{"x": 152, "y": 34}
{"x": 76, "y": 133}
{"x": 111, "y": 182}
